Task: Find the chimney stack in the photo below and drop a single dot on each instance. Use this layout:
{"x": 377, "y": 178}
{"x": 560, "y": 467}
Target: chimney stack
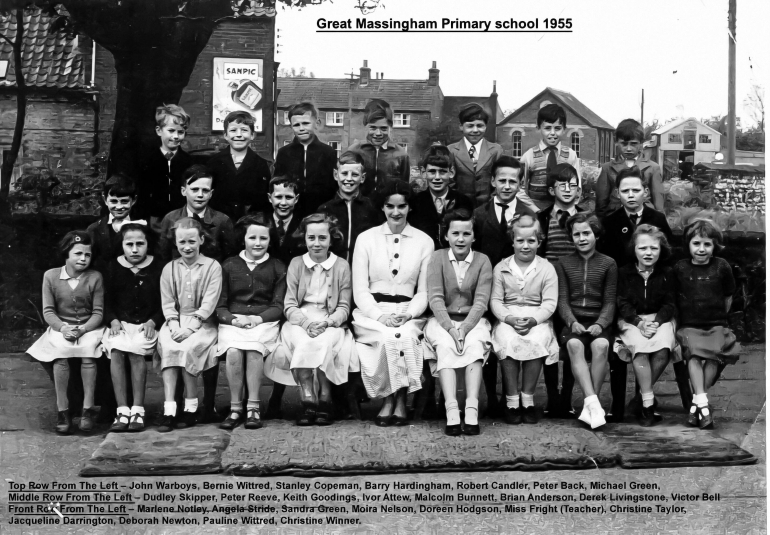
{"x": 491, "y": 133}
{"x": 366, "y": 73}
{"x": 433, "y": 75}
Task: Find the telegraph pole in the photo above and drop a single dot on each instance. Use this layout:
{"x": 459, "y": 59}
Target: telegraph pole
{"x": 731, "y": 83}
{"x": 642, "y": 121}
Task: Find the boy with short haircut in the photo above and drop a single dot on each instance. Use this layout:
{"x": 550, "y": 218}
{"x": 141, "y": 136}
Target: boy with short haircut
{"x": 491, "y": 233}
{"x": 197, "y": 189}
{"x": 430, "y": 206}
{"x": 474, "y": 156}
{"x": 307, "y": 159}
{"x": 542, "y": 158}
{"x": 629, "y": 136}
{"x": 564, "y": 187}
{"x": 284, "y": 197}
{"x": 354, "y": 212}
{"x": 160, "y": 169}
{"x": 384, "y": 160}
{"x": 240, "y": 173}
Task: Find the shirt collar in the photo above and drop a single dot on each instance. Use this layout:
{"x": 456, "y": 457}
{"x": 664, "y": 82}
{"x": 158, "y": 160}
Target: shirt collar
{"x": 443, "y": 197}
{"x": 326, "y": 264}
{"x": 65, "y": 276}
{"x": 163, "y": 151}
{"x": 571, "y": 210}
{"x": 385, "y": 229}
{"x": 468, "y": 258}
{"x": 141, "y": 265}
{"x": 278, "y": 220}
{"x": 203, "y": 216}
{"x": 511, "y": 204}
{"x": 514, "y": 267}
{"x": 468, "y": 144}
{"x": 242, "y": 254}
{"x": 636, "y": 214}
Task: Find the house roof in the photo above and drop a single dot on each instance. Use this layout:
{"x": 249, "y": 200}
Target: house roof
{"x": 484, "y": 101}
{"x": 48, "y": 59}
{"x": 568, "y": 101}
{"x": 670, "y": 126}
{"x": 408, "y": 95}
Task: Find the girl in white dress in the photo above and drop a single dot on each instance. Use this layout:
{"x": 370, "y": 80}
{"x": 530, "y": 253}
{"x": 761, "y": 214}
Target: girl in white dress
{"x": 390, "y": 272}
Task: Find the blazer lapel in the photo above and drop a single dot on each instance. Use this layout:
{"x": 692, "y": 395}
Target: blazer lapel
{"x": 484, "y": 154}
{"x": 461, "y": 154}
{"x": 492, "y": 220}
{"x": 248, "y": 161}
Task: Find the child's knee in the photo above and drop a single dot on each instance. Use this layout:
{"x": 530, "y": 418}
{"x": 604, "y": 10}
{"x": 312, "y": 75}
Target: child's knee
{"x": 574, "y": 347}
{"x": 600, "y": 347}
{"x": 117, "y": 356}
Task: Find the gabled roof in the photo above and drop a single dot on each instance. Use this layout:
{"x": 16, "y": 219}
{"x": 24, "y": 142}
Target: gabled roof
{"x": 48, "y": 59}
{"x": 576, "y": 107}
{"x": 455, "y": 101}
{"x": 409, "y": 95}
{"x": 670, "y": 126}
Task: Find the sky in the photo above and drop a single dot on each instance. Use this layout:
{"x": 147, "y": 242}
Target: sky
{"x": 676, "y": 50}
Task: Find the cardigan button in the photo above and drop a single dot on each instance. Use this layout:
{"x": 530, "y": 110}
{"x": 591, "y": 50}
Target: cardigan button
{"x": 398, "y": 335}
{"x": 396, "y": 240}
{"x": 395, "y": 255}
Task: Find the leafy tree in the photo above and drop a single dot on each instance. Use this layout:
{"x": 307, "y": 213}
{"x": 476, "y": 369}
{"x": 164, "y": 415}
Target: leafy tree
{"x": 754, "y": 105}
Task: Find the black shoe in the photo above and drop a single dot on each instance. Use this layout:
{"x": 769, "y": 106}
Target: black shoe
{"x": 136, "y": 424}
{"x": 252, "y": 419}
{"x": 513, "y": 416}
{"x": 399, "y": 421}
{"x": 63, "y": 423}
{"x": 531, "y": 415}
{"x": 647, "y": 417}
{"x": 188, "y": 419}
{"x": 655, "y": 412}
{"x": 232, "y": 421}
{"x": 471, "y": 430}
{"x": 323, "y": 414}
{"x": 383, "y": 421}
{"x": 307, "y": 417}
{"x": 453, "y": 430}
{"x": 87, "y": 420}
{"x": 120, "y": 424}
{"x": 706, "y": 421}
{"x": 692, "y": 415}
{"x": 166, "y": 423}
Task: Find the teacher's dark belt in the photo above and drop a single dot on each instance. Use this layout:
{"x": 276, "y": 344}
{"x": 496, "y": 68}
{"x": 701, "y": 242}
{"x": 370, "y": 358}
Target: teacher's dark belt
{"x": 384, "y": 298}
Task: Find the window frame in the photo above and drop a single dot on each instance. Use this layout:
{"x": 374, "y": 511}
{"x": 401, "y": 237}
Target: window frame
{"x": 338, "y": 148}
{"x": 574, "y": 141}
{"x": 334, "y": 114}
{"x": 402, "y": 117}
{"x": 519, "y": 142}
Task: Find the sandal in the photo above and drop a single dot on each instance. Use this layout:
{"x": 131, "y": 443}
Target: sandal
{"x": 137, "y": 423}
{"x": 120, "y": 424}
{"x": 252, "y": 419}
{"x": 232, "y": 421}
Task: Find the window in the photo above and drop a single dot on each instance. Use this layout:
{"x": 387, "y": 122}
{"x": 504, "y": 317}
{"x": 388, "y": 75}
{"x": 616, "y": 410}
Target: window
{"x": 516, "y": 138}
{"x": 575, "y": 143}
{"x": 334, "y": 118}
{"x": 336, "y": 145}
{"x": 402, "y": 120}
{"x": 704, "y": 138}
{"x": 675, "y": 138}
{"x": 286, "y": 117}
{"x": 689, "y": 139}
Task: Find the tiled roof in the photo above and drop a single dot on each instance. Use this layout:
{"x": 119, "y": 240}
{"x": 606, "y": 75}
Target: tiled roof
{"x": 573, "y": 104}
{"x": 49, "y": 60}
{"x": 410, "y": 95}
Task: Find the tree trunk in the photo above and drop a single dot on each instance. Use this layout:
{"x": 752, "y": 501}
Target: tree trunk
{"x": 21, "y": 109}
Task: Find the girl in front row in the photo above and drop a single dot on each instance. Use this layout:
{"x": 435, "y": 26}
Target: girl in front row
{"x": 704, "y": 296}
{"x": 457, "y": 336}
{"x": 189, "y": 288}
{"x": 132, "y": 310}
{"x": 73, "y": 301}
{"x": 525, "y": 293}
{"x": 249, "y": 313}
{"x": 646, "y": 309}
{"x": 315, "y": 340}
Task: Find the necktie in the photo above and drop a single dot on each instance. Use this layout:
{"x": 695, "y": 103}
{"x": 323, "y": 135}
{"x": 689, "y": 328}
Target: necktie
{"x": 563, "y": 215}
{"x": 472, "y": 154}
{"x": 551, "y": 158}
{"x": 169, "y": 156}
{"x": 439, "y": 205}
{"x": 636, "y": 219}
{"x": 503, "y": 222}
{"x": 198, "y": 218}
{"x": 281, "y": 231}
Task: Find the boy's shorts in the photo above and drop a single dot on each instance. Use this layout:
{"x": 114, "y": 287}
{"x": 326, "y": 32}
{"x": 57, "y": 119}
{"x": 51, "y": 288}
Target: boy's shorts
{"x": 586, "y": 338}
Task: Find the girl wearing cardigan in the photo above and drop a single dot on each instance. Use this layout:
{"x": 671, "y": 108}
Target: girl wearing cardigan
{"x": 189, "y": 289}
{"x": 390, "y": 267}
{"x": 249, "y": 312}
{"x": 315, "y": 339}
{"x": 457, "y": 336}
{"x": 525, "y": 293}
{"x": 73, "y": 301}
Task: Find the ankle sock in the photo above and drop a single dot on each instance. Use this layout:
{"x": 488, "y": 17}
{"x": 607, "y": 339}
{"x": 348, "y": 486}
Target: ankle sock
{"x": 472, "y": 411}
{"x": 452, "y": 413}
{"x": 138, "y": 409}
{"x": 169, "y": 408}
{"x": 590, "y": 400}
{"x": 701, "y": 400}
{"x": 236, "y": 406}
{"x": 512, "y": 402}
{"x": 252, "y": 405}
{"x": 123, "y": 410}
{"x": 527, "y": 400}
{"x": 648, "y": 398}
{"x": 191, "y": 404}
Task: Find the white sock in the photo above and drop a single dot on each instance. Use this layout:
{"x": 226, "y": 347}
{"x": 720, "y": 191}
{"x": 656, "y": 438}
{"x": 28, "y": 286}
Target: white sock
{"x": 138, "y": 409}
{"x": 169, "y": 408}
{"x": 527, "y": 400}
{"x": 512, "y": 402}
{"x": 452, "y": 413}
{"x": 701, "y": 400}
{"x": 590, "y": 400}
{"x": 648, "y": 398}
{"x": 472, "y": 411}
{"x": 124, "y": 411}
{"x": 190, "y": 405}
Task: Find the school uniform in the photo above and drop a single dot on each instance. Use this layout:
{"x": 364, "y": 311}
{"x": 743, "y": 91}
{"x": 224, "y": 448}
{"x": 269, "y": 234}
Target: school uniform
{"x": 619, "y": 229}
{"x": 315, "y": 292}
{"x": 284, "y": 245}
{"x": 607, "y": 199}
{"x": 426, "y": 216}
{"x": 236, "y": 189}
{"x": 490, "y": 233}
{"x": 534, "y": 188}
{"x": 313, "y": 166}
{"x": 458, "y": 294}
{"x": 220, "y": 242}
{"x": 473, "y": 168}
{"x": 159, "y": 182}
{"x": 107, "y": 241}
{"x": 556, "y": 241}
{"x": 132, "y": 296}
{"x": 354, "y": 217}
{"x": 251, "y": 288}
{"x": 381, "y": 165}
{"x": 390, "y": 273}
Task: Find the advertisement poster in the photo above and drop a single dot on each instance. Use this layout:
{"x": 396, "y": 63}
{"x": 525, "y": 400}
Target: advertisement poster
{"x": 237, "y": 84}
{"x": 554, "y": 422}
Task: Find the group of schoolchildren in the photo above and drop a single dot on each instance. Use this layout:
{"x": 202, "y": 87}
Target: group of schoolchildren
{"x": 320, "y": 275}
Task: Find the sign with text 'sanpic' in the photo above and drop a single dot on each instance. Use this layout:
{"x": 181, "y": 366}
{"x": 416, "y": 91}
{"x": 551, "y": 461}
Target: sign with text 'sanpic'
{"x": 238, "y": 85}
